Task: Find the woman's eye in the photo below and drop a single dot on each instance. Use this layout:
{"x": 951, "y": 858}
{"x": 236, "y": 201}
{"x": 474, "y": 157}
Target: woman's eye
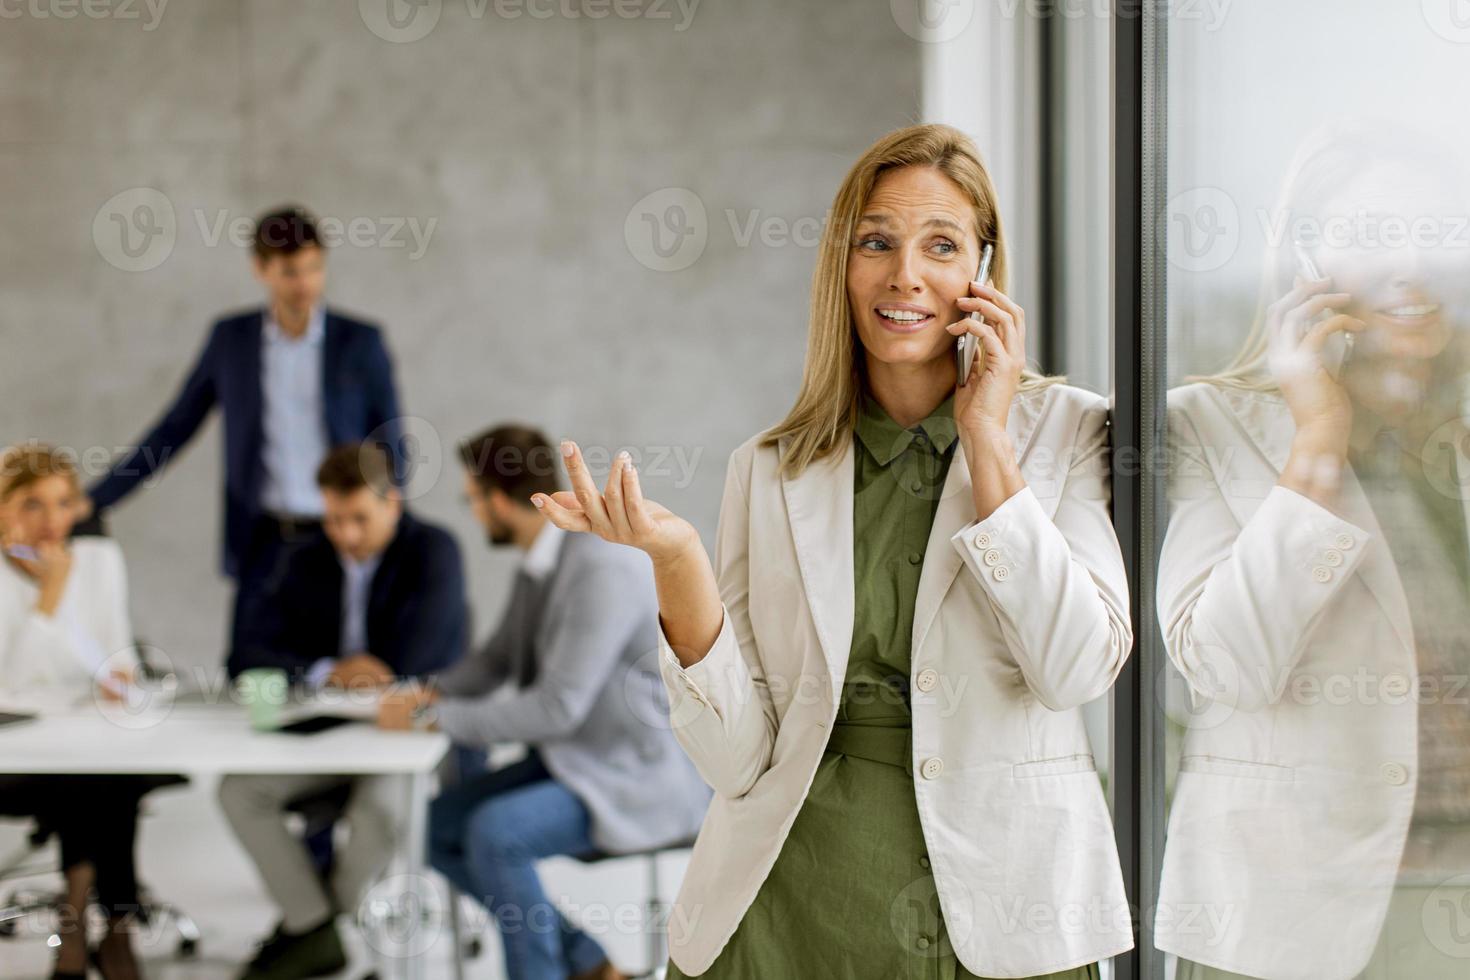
{"x": 872, "y": 244}
{"x": 945, "y": 247}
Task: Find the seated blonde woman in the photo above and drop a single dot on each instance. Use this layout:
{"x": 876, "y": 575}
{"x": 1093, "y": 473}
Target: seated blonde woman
{"x": 64, "y": 632}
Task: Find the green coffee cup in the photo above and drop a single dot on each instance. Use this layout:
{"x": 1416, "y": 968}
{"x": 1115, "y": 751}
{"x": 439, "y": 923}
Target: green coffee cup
{"x": 263, "y": 691}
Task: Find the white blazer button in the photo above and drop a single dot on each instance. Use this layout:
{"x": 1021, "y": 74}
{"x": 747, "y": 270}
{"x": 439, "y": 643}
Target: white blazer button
{"x": 1332, "y": 557}
{"x": 932, "y": 767}
{"x": 1322, "y": 573}
{"x": 927, "y": 679}
{"x": 1395, "y": 685}
{"x": 1001, "y": 572}
{"x": 1395, "y": 774}
{"x": 982, "y": 540}
{"x": 992, "y": 557}
{"x": 1344, "y": 541}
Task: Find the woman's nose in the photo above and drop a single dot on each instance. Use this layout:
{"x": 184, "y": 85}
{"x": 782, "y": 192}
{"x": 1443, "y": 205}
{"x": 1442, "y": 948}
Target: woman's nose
{"x": 904, "y": 277}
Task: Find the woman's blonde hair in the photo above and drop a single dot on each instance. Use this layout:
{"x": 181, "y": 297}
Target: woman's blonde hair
{"x": 29, "y": 463}
{"x": 826, "y": 408}
{"x": 1324, "y": 163}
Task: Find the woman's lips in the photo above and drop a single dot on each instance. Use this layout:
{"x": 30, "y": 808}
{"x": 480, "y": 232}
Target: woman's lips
{"x": 1408, "y": 315}
{"x": 903, "y": 319}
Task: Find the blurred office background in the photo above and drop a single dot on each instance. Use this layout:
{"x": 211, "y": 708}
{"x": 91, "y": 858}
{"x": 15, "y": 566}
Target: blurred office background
{"x": 604, "y": 226}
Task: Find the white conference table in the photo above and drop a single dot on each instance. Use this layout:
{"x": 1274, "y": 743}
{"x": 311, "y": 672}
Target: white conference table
{"x": 215, "y": 739}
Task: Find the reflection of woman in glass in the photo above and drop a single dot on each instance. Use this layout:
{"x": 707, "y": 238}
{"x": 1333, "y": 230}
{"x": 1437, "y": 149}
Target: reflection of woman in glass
{"x": 915, "y": 588}
{"x": 1314, "y": 593}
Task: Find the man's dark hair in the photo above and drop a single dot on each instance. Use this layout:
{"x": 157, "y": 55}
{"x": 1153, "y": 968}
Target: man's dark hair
{"x": 515, "y": 459}
{"x": 285, "y": 231}
{"x": 349, "y": 468}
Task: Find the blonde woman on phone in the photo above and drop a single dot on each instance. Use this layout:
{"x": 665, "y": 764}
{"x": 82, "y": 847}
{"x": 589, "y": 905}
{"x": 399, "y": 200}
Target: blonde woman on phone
{"x": 915, "y": 588}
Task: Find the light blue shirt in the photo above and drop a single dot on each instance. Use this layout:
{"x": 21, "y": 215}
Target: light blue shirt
{"x": 357, "y": 585}
{"x": 293, "y": 416}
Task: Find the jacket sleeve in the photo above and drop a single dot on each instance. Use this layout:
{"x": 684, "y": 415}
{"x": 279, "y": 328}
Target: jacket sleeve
{"x": 384, "y": 419}
{"x": 277, "y": 632}
{"x": 481, "y": 671}
{"x": 721, "y": 708}
{"x": 169, "y": 434}
{"x": 1058, "y": 585}
{"x": 588, "y": 637}
{"x": 433, "y": 626}
{"x": 1238, "y": 603}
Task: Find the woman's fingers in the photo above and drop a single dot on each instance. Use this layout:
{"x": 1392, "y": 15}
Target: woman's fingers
{"x": 584, "y": 489}
{"x": 613, "y": 499}
{"x": 1316, "y": 338}
{"x": 565, "y": 512}
{"x": 639, "y": 517}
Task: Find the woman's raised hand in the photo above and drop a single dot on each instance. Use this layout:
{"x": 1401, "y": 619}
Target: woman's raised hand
{"x": 1296, "y": 355}
{"x": 619, "y": 513}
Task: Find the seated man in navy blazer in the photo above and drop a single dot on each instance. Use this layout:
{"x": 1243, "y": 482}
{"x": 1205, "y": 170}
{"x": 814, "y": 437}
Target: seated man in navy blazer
{"x": 380, "y": 598}
{"x": 292, "y": 379}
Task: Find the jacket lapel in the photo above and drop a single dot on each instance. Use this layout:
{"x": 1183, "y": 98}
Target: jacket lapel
{"x": 819, "y": 508}
{"x": 1270, "y": 427}
{"x": 332, "y": 341}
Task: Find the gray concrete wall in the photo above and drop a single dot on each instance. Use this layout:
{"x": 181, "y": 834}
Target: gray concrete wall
{"x": 520, "y": 146}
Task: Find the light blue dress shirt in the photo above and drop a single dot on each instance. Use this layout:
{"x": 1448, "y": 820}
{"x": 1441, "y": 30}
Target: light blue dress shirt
{"x": 293, "y": 417}
{"x": 357, "y": 585}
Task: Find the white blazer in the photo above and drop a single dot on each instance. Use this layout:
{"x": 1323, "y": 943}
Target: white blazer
{"x": 1019, "y": 619}
{"x": 1291, "y": 629}
{"x": 61, "y": 655}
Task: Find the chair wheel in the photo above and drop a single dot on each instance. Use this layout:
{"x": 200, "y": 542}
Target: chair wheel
{"x": 188, "y": 949}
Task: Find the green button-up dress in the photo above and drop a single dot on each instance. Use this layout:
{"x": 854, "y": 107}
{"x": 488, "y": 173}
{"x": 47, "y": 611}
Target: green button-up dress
{"x": 851, "y": 895}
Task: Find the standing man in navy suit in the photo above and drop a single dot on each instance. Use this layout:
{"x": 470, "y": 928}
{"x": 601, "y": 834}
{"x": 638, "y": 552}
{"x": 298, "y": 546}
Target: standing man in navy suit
{"x": 292, "y": 379}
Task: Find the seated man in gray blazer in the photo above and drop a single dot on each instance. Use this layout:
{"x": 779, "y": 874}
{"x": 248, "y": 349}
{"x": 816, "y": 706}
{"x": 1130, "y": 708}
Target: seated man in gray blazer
{"x": 572, "y": 672}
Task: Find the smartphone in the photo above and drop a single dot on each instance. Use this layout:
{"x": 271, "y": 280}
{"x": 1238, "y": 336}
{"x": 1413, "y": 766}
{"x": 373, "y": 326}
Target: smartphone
{"x": 1339, "y": 346}
{"x": 967, "y": 345}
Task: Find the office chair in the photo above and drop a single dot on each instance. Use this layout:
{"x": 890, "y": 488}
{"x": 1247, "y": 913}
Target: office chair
{"x": 30, "y": 860}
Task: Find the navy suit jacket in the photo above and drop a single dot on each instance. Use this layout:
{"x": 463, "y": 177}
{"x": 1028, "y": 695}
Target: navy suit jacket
{"x": 358, "y": 398}
{"x": 417, "y": 615}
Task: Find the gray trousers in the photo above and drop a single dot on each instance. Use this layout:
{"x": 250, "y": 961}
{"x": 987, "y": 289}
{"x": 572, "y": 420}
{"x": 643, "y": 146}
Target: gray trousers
{"x": 256, "y": 809}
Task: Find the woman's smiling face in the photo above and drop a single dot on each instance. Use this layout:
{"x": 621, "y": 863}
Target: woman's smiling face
{"x": 914, "y": 254}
